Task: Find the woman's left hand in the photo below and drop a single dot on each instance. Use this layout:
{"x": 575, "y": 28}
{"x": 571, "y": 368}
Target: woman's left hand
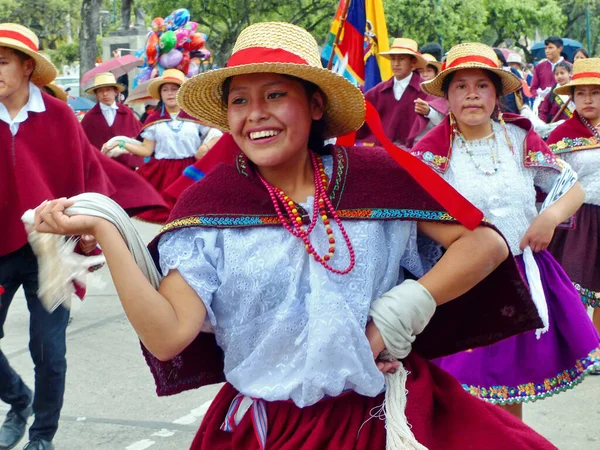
{"x": 540, "y": 233}
{"x": 377, "y": 346}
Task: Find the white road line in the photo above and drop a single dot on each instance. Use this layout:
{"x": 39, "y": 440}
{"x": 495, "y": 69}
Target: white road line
{"x": 141, "y": 445}
{"x": 164, "y": 433}
{"x": 194, "y": 415}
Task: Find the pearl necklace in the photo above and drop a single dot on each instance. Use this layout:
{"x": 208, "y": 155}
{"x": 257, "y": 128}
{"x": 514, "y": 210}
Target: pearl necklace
{"x": 322, "y": 207}
{"x": 493, "y": 153}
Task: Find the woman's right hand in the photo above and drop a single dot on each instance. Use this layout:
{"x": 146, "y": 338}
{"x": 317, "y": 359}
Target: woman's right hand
{"x": 50, "y": 218}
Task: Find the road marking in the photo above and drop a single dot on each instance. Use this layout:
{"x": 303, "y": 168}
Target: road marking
{"x": 194, "y": 415}
{"x": 141, "y": 445}
{"x": 164, "y": 433}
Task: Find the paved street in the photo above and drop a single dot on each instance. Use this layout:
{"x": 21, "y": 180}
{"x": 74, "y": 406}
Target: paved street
{"x": 110, "y": 403}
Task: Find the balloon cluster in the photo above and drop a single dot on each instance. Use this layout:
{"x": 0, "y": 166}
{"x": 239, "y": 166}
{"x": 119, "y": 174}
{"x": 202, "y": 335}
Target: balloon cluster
{"x": 173, "y": 43}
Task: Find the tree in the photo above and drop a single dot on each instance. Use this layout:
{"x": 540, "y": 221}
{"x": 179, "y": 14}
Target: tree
{"x": 575, "y": 27}
{"x": 223, "y": 20}
{"x": 90, "y": 28}
{"x": 448, "y": 21}
{"x": 519, "y": 20}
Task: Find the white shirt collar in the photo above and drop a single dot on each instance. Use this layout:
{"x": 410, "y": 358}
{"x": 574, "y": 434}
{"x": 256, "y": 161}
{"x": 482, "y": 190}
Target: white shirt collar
{"x": 561, "y": 59}
{"x": 401, "y": 85}
{"x": 104, "y": 107}
{"x": 34, "y": 104}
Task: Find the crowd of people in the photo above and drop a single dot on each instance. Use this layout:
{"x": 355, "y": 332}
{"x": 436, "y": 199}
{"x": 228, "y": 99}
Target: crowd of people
{"x": 350, "y": 296}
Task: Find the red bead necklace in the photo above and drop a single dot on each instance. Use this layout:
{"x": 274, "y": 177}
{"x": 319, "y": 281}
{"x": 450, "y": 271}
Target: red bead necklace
{"x": 322, "y": 205}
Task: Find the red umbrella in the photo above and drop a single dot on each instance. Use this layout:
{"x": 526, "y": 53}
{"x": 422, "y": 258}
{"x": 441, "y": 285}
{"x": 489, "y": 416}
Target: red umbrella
{"x": 117, "y": 66}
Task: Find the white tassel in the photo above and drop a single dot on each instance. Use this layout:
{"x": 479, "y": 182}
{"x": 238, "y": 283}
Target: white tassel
{"x": 399, "y": 436}
{"x": 534, "y": 280}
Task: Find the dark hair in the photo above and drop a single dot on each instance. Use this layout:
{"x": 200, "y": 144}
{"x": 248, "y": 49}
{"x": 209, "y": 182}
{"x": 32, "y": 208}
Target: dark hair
{"x": 434, "y": 49}
{"x": 19, "y": 54}
{"x": 582, "y": 50}
{"x": 563, "y": 65}
{"x": 495, "y": 79}
{"x": 316, "y": 141}
{"x": 501, "y": 57}
{"x": 48, "y": 91}
{"x": 434, "y": 67}
{"x": 554, "y": 40}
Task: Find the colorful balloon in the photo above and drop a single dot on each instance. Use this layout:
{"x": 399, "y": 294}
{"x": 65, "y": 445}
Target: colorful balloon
{"x": 182, "y": 36}
{"x": 158, "y": 25}
{"x": 184, "y": 65}
{"x": 167, "y": 41}
{"x": 195, "y": 42}
{"x": 171, "y": 59}
{"x": 144, "y": 74}
{"x": 180, "y": 17}
{"x": 152, "y": 49}
{"x": 169, "y": 24}
{"x": 193, "y": 69}
{"x": 192, "y": 26}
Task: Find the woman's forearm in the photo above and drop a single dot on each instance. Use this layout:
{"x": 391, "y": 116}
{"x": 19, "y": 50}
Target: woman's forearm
{"x": 566, "y": 206}
{"x": 165, "y": 324}
{"x": 139, "y": 149}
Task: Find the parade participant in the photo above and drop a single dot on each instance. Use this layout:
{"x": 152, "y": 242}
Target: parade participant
{"x": 543, "y": 74}
{"x": 45, "y": 155}
{"x": 496, "y": 163}
{"x": 431, "y": 69}
{"x": 577, "y": 141}
{"x": 406, "y": 112}
{"x": 108, "y": 118}
{"x": 554, "y": 103}
{"x": 56, "y": 91}
{"x": 288, "y": 280}
{"x": 580, "y": 54}
{"x": 172, "y": 138}
{"x": 515, "y": 62}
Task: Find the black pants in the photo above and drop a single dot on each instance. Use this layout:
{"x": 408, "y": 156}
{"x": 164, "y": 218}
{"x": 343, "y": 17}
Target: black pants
{"x": 47, "y": 345}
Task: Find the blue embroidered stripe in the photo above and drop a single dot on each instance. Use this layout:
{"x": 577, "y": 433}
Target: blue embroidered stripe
{"x": 409, "y": 213}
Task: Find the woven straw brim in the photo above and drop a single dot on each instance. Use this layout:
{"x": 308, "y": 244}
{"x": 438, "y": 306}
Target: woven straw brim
{"x": 510, "y": 83}
{"x": 201, "y": 95}
{"x": 118, "y": 86}
{"x": 154, "y": 86}
{"x": 44, "y": 72}
{"x": 422, "y": 62}
{"x": 58, "y": 92}
{"x": 567, "y": 88}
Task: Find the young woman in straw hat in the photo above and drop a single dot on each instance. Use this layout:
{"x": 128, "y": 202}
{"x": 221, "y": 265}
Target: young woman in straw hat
{"x": 577, "y": 141}
{"x": 497, "y": 163}
{"x": 173, "y": 139}
{"x": 290, "y": 250}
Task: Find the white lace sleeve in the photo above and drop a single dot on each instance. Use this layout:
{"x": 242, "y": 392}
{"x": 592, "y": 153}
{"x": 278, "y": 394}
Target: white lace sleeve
{"x": 149, "y": 133}
{"x": 544, "y": 178}
{"x": 196, "y": 254}
{"x": 421, "y": 253}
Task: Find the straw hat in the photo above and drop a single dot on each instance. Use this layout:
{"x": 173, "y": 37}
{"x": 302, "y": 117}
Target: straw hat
{"x": 431, "y": 61}
{"x": 24, "y": 40}
{"x": 585, "y": 72}
{"x": 105, "y": 79}
{"x": 514, "y": 58}
{"x": 471, "y": 56}
{"x": 172, "y": 76}
{"x": 403, "y": 46}
{"x": 58, "y": 92}
{"x": 281, "y": 48}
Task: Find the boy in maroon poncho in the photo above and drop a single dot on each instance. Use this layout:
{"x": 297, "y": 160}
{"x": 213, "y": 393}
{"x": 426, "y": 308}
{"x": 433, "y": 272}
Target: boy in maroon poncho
{"x": 406, "y": 112}
{"x": 43, "y": 154}
{"x": 109, "y": 119}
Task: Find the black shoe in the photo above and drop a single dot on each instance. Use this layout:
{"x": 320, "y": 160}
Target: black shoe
{"x": 13, "y": 428}
{"x": 39, "y": 444}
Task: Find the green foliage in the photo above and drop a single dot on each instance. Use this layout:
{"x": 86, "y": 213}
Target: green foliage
{"x": 64, "y": 54}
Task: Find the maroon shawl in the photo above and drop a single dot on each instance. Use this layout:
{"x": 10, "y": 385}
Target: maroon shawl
{"x": 126, "y": 124}
{"x": 367, "y": 185}
{"x": 572, "y": 136}
{"x": 435, "y": 149}
{"x": 401, "y": 124}
{"x": 50, "y": 157}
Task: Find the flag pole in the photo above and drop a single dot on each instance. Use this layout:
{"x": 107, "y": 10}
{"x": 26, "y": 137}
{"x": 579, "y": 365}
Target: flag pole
{"x": 338, "y": 34}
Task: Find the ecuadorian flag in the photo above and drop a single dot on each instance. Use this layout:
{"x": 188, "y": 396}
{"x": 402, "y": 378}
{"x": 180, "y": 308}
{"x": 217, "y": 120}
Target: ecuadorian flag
{"x": 364, "y": 35}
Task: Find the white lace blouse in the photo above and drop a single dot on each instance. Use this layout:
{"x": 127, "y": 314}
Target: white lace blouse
{"x": 289, "y": 328}
{"x": 587, "y": 163}
{"x": 178, "y": 139}
{"x": 507, "y": 197}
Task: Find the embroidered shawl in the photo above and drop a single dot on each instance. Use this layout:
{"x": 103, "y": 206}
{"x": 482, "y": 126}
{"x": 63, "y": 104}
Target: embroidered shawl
{"x": 572, "y": 136}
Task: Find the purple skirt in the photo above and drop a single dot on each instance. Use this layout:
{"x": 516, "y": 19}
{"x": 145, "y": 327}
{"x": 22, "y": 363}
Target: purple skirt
{"x": 578, "y": 252}
{"x": 523, "y": 368}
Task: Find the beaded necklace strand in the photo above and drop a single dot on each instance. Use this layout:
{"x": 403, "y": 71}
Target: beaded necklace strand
{"x": 592, "y": 128}
{"x": 322, "y": 207}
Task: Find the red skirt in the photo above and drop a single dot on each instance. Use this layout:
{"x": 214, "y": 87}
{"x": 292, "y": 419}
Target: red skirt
{"x": 161, "y": 173}
{"x": 442, "y": 414}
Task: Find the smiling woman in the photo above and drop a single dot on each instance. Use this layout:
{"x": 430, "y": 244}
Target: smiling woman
{"x": 299, "y": 259}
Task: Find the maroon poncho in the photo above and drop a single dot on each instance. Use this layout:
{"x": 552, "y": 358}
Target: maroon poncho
{"x": 367, "y": 185}
{"x": 50, "y": 157}
{"x": 126, "y": 124}
{"x": 401, "y": 124}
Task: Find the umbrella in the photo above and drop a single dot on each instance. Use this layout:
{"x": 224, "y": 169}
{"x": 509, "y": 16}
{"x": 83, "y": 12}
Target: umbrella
{"x": 80, "y": 103}
{"x": 117, "y": 66}
{"x": 140, "y": 94}
{"x": 570, "y": 47}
